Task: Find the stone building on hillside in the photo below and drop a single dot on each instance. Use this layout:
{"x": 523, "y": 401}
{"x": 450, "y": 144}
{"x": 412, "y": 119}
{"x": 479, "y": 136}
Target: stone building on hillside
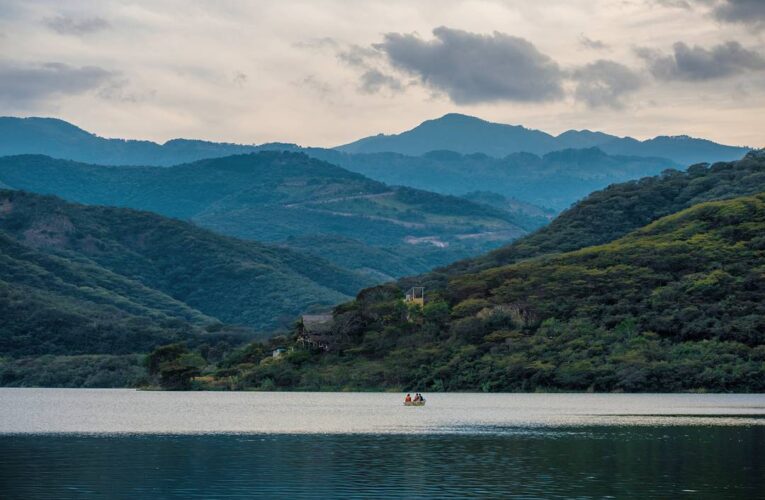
{"x": 315, "y": 331}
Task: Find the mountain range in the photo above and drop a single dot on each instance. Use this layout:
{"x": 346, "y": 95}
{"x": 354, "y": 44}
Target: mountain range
{"x": 288, "y": 199}
{"x": 453, "y": 155}
{"x": 452, "y": 132}
{"x": 467, "y": 135}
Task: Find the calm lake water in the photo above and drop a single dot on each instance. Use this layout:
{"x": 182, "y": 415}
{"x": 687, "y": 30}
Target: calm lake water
{"x": 127, "y": 444}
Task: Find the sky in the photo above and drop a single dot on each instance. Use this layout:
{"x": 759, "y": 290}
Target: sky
{"x": 327, "y": 72}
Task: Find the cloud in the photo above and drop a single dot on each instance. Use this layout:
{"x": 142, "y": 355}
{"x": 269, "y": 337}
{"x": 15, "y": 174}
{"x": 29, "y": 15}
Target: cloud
{"x": 64, "y": 25}
{"x": 697, "y": 63}
{"x": 748, "y": 12}
{"x": 357, "y": 56}
{"x": 27, "y": 84}
{"x": 591, "y": 44}
{"x": 319, "y": 43}
{"x": 321, "y": 88}
{"x": 472, "y": 68}
{"x": 681, "y": 4}
{"x": 604, "y": 83}
{"x": 240, "y": 79}
{"x": 372, "y": 81}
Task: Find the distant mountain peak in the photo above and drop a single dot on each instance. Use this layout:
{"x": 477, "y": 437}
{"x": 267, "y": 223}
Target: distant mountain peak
{"x": 468, "y": 134}
{"x": 463, "y": 134}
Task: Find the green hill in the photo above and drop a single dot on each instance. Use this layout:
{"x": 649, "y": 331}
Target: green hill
{"x": 615, "y": 211}
{"x": 676, "y": 305}
{"x": 275, "y": 196}
{"x": 54, "y": 305}
{"x": 148, "y": 265}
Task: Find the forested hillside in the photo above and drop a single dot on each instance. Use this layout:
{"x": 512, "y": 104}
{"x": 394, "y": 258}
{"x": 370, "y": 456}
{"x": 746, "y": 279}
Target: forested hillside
{"x": 277, "y": 197}
{"x": 150, "y": 266}
{"x": 676, "y": 305}
{"x": 615, "y": 211}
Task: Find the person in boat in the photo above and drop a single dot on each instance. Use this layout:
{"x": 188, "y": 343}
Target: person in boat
{"x": 417, "y": 397}
{"x": 408, "y": 399}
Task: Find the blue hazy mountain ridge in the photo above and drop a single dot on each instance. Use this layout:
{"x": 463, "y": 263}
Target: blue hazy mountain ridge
{"x": 554, "y": 180}
{"x": 61, "y": 139}
{"x": 467, "y": 134}
{"x": 289, "y": 199}
{"x": 512, "y": 161}
{"x": 454, "y": 132}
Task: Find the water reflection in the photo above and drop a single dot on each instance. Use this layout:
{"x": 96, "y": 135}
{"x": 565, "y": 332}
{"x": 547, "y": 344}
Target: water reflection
{"x": 638, "y": 462}
{"x": 126, "y": 411}
{"x": 62, "y": 444}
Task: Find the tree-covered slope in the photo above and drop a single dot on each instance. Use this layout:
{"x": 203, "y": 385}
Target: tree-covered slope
{"x": 227, "y": 279}
{"x": 55, "y": 305}
{"x": 273, "y": 196}
{"x": 676, "y": 305}
{"x": 615, "y": 211}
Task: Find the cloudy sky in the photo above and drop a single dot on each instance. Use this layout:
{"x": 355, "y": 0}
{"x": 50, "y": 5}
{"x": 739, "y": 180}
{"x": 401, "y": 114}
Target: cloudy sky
{"x": 326, "y": 72}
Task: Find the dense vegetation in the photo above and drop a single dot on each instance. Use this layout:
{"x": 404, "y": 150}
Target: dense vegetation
{"x": 615, "y": 211}
{"x": 676, "y": 305}
{"x": 274, "y": 196}
{"x": 55, "y": 253}
{"x": 644, "y": 286}
{"x": 74, "y": 371}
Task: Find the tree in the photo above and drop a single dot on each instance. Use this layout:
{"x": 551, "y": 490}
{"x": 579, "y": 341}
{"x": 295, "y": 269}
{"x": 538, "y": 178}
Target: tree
{"x": 174, "y": 365}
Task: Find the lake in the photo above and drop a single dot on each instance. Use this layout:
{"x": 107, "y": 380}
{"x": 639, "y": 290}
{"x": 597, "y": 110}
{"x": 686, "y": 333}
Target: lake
{"x": 72, "y": 443}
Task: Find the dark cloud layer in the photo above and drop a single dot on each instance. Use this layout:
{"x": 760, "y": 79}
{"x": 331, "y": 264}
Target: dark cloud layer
{"x": 698, "y": 63}
{"x": 64, "y": 25}
{"x": 749, "y": 12}
{"x": 604, "y": 83}
{"x": 22, "y": 84}
{"x": 472, "y": 68}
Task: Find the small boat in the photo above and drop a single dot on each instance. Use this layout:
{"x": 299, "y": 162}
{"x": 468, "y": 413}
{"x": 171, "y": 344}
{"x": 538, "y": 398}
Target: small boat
{"x": 414, "y": 403}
